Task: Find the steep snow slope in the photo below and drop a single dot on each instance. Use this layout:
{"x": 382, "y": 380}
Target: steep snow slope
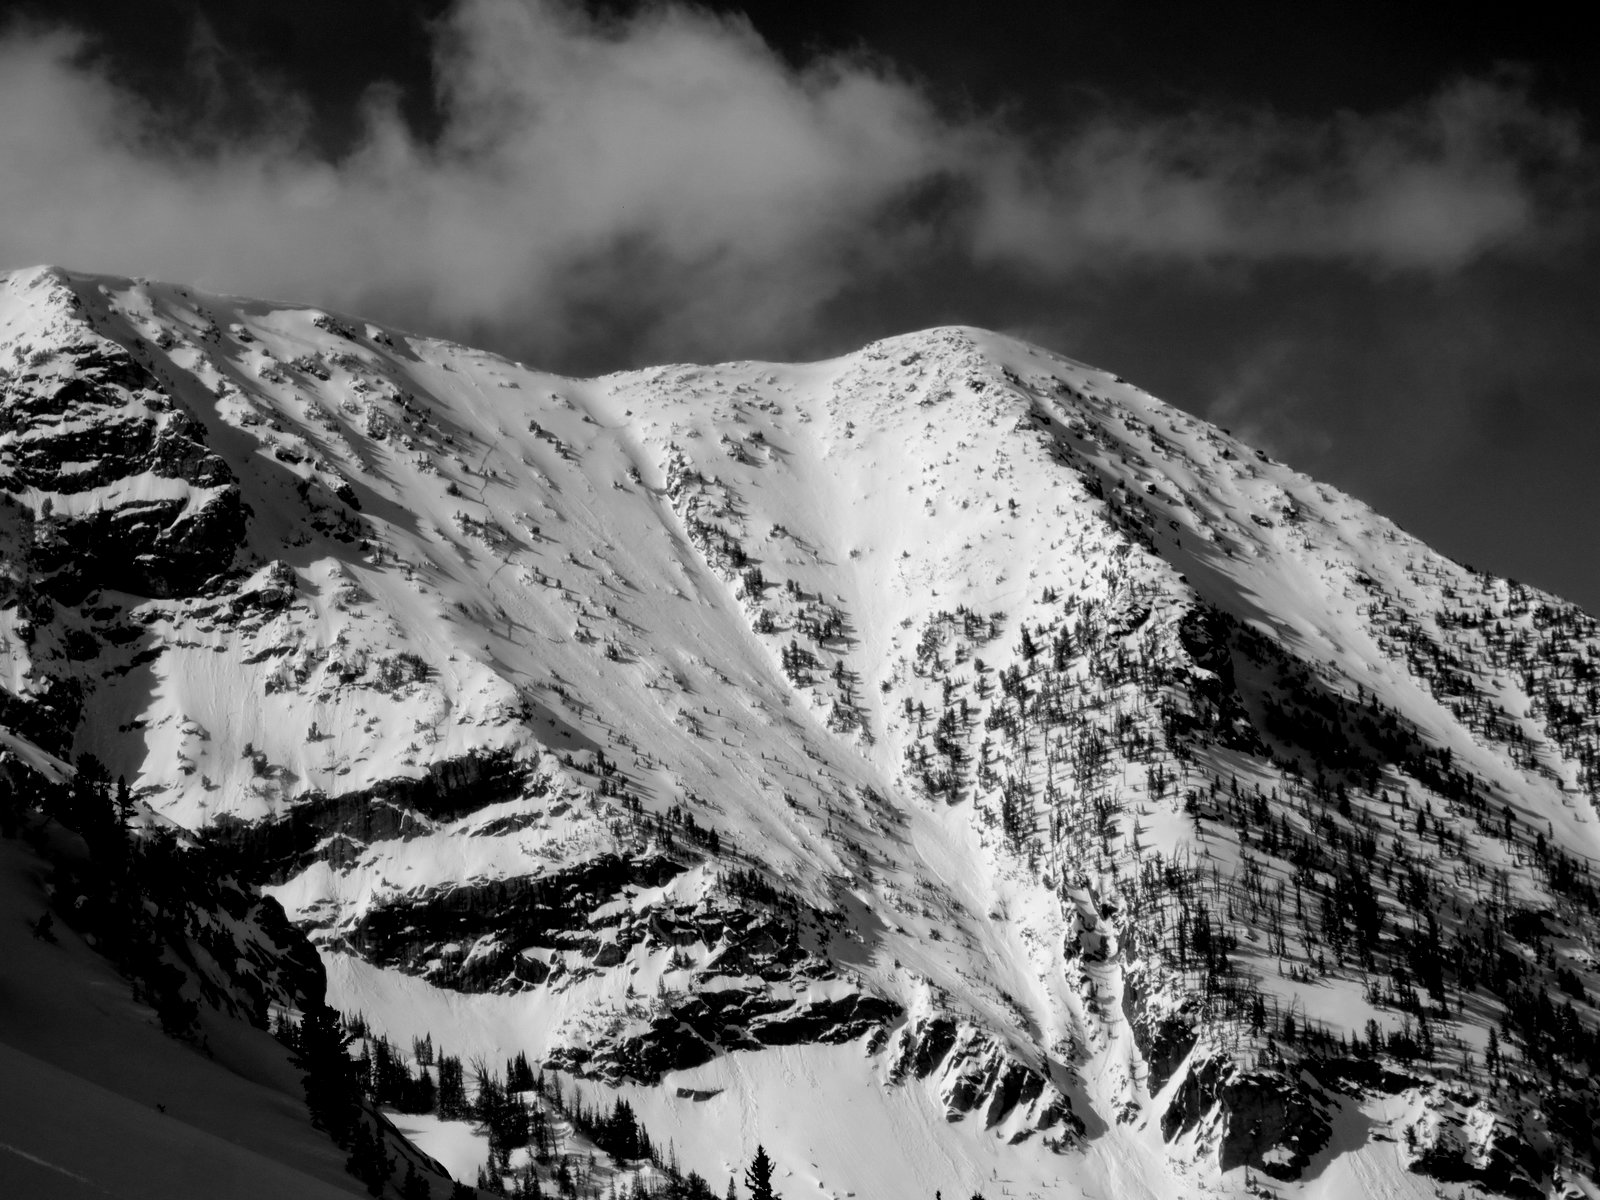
{"x": 133, "y": 1038}
{"x": 946, "y": 764}
{"x": 98, "y": 1101}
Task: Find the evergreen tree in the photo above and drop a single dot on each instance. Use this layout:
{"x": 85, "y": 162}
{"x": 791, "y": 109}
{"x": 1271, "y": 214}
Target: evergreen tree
{"x": 332, "y": 1088}
{"x": 415, "y": 1187}
{"x": 1027, "y": 648}
{"x": 758, "y": 1176}
{"x": 360, "y": 1153}
{"x": 452, "y": 1099}
{"x": 124, "y": 803}
{"x": 519, "y": 1075}
{"x": 368, "y": 1160}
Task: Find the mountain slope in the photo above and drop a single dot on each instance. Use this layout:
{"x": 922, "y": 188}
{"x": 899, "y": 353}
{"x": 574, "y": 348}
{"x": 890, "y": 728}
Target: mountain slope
{"x": 86, "y": 1067}
{"x": 1062, "y": 793}
{"x": 170, "y": 1086}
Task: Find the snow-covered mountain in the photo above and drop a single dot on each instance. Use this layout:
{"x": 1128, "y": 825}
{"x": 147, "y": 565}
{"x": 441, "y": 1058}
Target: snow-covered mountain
{"x": 97, "y": 1099}
{"x": 946, "y": 765}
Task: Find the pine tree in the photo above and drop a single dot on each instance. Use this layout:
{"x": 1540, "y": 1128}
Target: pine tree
{"x": 452, "y": 1101}
{"x": 382, "y": 1165}
{"x": 758, "y": 1176}
{"x": 415, "y": 1187}
{"x": 368, "y": 1161}
{"x": 1027, "y": 648}
{"x": 519, "y": 1074}
{"x": 332, "y": 1090}
{"x": 124, "y": 803}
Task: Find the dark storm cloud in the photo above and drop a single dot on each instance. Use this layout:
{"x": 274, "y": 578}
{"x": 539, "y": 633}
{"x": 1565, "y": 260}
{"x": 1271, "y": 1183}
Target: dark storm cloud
{"x": 672, "y": 176}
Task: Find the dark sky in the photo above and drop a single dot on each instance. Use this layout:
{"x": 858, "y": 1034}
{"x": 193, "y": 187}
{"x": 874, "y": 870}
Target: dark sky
{"x": 1362, "y": 237}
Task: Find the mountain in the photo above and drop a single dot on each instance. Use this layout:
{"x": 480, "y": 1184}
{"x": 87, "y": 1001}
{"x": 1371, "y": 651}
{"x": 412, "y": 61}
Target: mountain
{"x": 946, "y": 765}
{"x": 172, "y": 1087}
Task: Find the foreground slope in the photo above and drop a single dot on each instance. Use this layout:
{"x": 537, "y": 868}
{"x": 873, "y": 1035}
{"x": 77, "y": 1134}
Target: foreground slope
{"x": 945, "y": 764}
{"x": 111, "y": 1090}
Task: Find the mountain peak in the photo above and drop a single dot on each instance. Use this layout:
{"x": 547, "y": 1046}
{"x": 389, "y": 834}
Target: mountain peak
{"x": 1053, "y": 783}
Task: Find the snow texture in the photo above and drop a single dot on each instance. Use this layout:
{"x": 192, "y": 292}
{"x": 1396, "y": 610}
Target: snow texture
{"x": 836, "y": 756}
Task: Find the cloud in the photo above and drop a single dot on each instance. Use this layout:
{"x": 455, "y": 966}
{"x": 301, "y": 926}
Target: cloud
{"x": 679, "y": 146}
{"x": 669, "y": 179}
{"x": 1258, "y": 400}
{"x": 1434, "y": 185}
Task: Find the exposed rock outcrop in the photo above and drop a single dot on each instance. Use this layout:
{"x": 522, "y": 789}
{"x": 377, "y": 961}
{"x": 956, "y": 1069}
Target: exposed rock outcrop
{"x": 978, "y": 1074}
{"x": 120, "y": 482}
{"x": 1260, "y": 1118}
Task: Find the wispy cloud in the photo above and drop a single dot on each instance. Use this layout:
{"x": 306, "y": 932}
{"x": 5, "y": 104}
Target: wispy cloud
{"x": 670, "y": 176}
{"x": 1257, "y": 400}
{"x": 1475, "y": 168}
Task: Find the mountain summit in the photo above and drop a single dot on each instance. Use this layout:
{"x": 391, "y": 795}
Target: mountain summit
{"x": 946, "y": 765}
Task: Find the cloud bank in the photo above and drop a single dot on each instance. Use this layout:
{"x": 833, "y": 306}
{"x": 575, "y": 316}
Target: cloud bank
{"x": 670, "y": 179}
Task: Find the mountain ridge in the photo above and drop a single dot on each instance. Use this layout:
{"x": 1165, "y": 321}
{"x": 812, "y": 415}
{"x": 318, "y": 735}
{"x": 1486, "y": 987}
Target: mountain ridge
{"x": 898, "y": 713}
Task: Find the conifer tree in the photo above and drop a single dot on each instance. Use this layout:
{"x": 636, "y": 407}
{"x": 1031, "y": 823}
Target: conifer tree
{"x": 452, "y": 1101}
{"x": 414, "y": 1187}
{"x": 758, "y": 1176}
{"x": 368, "y": 1161}
{"x": 332, "y": 1089}
{"x": 124, "y": 803}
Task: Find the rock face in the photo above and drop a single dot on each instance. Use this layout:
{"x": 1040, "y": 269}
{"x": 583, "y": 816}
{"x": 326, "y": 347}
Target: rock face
{"x": 320, "y": 827}
{"x": 1460, "y": 1139}
{"x": 981, "y": 1078}
{"x": 1268, "y": 1120}
{"x": 950, "y": 730}
{"x": 1164, "y": 1039}
{"x": 203, "y": 936}
{"x": 121, "y": 484}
